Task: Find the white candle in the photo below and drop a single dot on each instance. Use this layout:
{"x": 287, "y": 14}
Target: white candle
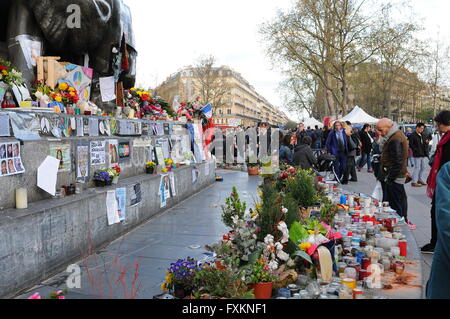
{"x": 21, "y": 198}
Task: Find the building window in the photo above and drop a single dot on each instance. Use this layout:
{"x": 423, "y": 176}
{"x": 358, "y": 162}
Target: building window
{"x": 229, "y": 111}
{"x": 220, "y": 112}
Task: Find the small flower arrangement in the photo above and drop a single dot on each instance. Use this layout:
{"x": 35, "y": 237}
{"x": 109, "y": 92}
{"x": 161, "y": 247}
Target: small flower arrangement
{"x": 180, "y": 277}
{"x": 102, "y": 177}
{"x": 115, "y": 171}
{"x": 259, "y": 272}
{"x": 150, "y": 167}
{"x": 150, "y": 164}
{"x": 9, "y": 74}
{"x": 65, "y": 94}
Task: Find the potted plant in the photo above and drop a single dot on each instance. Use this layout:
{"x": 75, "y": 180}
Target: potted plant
{"x": 102, "y": 178}
{"x": 252, "y": 166}
{"x": 260, "y": 279}
{"x": 302, "y": 188}
{"x": 169, "y": 164}
{"x": 115, "y": 173}
{"x": 150, "y": 167}
{"x": 180, "y": 277}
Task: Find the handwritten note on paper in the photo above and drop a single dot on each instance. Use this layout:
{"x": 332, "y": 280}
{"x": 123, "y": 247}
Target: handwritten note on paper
{"x": 98, "y": 153}
{"x": 107, "y": 88}
{"x": 47, "y": 175}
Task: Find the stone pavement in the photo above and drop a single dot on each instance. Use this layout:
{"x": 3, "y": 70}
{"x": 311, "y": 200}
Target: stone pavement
{"x": 178, "y": 233}
{"x": 183, "y": 231}
{"x": 419, "y": 206}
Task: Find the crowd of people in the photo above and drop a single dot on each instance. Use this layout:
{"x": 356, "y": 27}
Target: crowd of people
{"x": 388, "y": 151}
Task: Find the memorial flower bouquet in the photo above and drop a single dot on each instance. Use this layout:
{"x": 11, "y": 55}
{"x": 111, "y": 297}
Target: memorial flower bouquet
{"x": 150, "y": 167}
{"x": 9, "y": 74}
{"x": 114, "y": 173}
{"x": 102, "y": 178}
{"x": 65, "y": 94}
{"x": 180, "y": 277}
{"x": 169, "y": 164}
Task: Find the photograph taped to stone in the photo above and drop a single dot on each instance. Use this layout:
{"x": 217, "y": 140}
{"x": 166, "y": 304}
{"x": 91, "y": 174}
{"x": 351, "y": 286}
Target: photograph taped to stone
{"x": 63, "y": 154}
{"x": 2, "y": 151}
{"x": 10, "y": 159}
{"x": 83, "y": 163}
{"x": 124, "y": 150}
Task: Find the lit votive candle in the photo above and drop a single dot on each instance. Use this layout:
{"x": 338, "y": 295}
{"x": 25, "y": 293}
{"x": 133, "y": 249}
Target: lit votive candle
{"x": 21, "y": 198}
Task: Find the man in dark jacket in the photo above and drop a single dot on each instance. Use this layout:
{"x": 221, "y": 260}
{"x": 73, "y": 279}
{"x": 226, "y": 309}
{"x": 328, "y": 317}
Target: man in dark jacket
{"x": 353, "y": 148}
{"x": 317, "y": 144}
{"x": 304, "y": 156}
{"x": 419, "y": 146}
{"x": 337, "y": 145}
{"x": 301, "y": 133}
{"x": 366, "y": 149}
{"x": 394, "y": 171}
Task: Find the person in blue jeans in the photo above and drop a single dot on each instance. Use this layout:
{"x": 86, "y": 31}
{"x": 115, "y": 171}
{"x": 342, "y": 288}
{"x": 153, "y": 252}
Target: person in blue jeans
{"x": 366, "y": 150}
{"x": 337, "y": 145}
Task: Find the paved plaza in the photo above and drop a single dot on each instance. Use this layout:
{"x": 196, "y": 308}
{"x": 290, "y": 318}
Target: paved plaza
{"x": 184, "y": 231}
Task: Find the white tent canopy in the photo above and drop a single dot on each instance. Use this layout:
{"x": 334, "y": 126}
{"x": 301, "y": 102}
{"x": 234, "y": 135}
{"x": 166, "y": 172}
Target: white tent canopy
{"x": 312, "y": 122}
{"x": 359, "y": 116}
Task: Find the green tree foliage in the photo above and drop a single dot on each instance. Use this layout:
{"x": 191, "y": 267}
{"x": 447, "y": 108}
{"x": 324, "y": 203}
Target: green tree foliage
{"x": 233, "y": 207}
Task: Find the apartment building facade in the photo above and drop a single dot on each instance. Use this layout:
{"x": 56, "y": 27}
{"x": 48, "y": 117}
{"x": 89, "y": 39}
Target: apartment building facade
{"x": 242, "y": 105}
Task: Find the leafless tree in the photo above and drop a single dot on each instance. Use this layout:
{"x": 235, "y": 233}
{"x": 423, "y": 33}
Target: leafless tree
{"x": 211, "y": 82}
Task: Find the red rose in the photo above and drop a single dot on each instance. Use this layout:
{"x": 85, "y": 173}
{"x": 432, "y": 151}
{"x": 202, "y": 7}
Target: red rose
{"x": 2, "y": 68}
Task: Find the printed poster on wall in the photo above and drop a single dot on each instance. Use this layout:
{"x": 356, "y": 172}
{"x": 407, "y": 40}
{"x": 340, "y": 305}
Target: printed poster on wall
{"x": 113, "y": 152}
{"x": 62, "y": 154}
{"x": 124, "y": 150}
{"x": 164, "y": 190}
{"x": 121, "y": 196}
{"x": 112, "y": 208}
{"x": 136, "y": 195}
{"x": 172, "y": 184}
{"x": 98, "y": 153}
{"x": 82, "y": 163}
{"x": 10, "y": 160}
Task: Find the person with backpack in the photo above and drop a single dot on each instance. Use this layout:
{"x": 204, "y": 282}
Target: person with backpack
{"x": 366, "y": 149}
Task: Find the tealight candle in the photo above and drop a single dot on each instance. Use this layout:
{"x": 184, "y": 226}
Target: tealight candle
{"x": 21, "y": 198}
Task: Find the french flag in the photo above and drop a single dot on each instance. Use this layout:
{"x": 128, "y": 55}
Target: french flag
{"x": 208, "y": 111}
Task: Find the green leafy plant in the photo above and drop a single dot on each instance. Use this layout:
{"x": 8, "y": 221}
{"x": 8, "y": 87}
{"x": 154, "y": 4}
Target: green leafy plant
{"x": 216, "y": 284}
{"x": 302, "y": 188}
{"x": 270, "y": 211}
{"x": 257, "y": 273}
{"x": 233, "y": 207}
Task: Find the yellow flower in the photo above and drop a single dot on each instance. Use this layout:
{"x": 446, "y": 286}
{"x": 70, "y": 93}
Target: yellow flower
{"x": 63, "y": 86}
{"x": 305, "y": 246}
{"x": 58, "y": 98}
{"x": 4, "y": 72}
{"x": 71, "y": 89}
{"x": 168, "y": 280}
{"x": 167, "y": 273}
{"x": 165, "y": 170}
{"x": 72, "y": 93}
{"x": 133, "y": 89}
{"x": 163, "y": 287}
{"x": 311, "y": 232}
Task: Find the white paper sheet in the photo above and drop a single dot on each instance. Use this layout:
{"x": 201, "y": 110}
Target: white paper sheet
{"x": 112, "y": 208}
{"x": 4, "y": 125}
{"x": 48, "y": 174}
{"x": 93, "y": 127}
{"x": 98, "y": 153}
{"x": 107, "y": 88}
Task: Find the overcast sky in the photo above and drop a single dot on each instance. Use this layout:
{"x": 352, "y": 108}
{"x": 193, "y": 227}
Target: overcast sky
{"x": 171, "y": 34}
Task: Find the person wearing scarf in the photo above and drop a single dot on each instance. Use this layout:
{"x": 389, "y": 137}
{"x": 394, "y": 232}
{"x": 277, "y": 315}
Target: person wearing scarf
{"x": 438, "y": 285}
{"x": 442, "y": 156}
